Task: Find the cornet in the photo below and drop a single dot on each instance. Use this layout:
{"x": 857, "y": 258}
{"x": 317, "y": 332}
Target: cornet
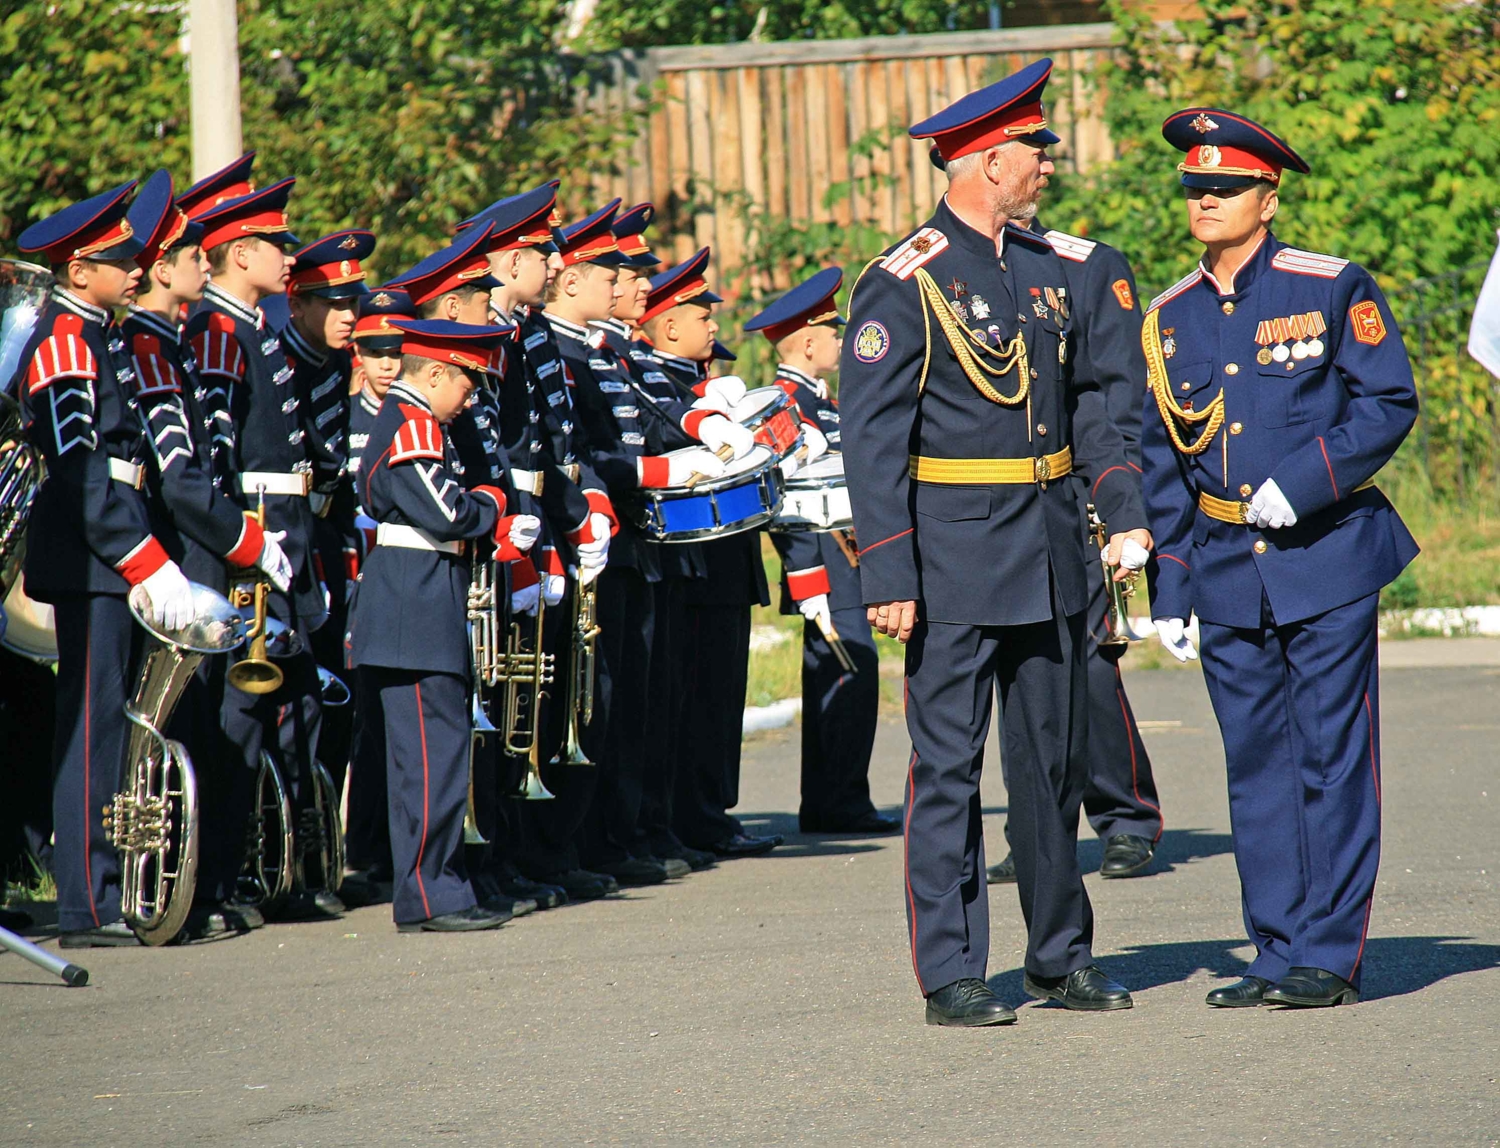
{"x": 255, "y": 674}
{"x": 580, "y": 703}
{"x": 1118, "y": 633}
{"x": 525, "y": 676}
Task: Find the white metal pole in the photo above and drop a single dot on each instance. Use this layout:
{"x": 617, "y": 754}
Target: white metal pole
{"x": 214, "y": 70}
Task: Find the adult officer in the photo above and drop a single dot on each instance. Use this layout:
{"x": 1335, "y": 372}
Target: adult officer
{"x": 820, "y": 580}
{"x": 960, "y": 422}
{"x": 1279, "y": 386}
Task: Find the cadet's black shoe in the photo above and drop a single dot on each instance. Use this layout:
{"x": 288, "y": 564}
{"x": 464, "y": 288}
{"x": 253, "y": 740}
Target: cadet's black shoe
{"x": 676, "y": 867}
{"x": 510, "y": 905}
{"x": 525, "y": 889}
{"x": 1311, "y": 988}
{"x": 871, "y": 824}
{"x": 249, "y": 911}
{"x": 1085, "y": 990}
{"x": 104, "y": 937}
{"x": 1126, "y": 856}
{"x": 636, "y": 871}
{"x": 204, "y": 921}
{"x": 461, "y": 921}
{"x": 1242, "y": 994}
{"x": 581, "y": 885}
{"x": 746, "y": 845}
{"x": 363, "y": 887}
{"x": 968, "y": 1003}
{"x": 308, "y": 905}
{"x": 1003, "y": 873}
{"x": 697, "y": 859}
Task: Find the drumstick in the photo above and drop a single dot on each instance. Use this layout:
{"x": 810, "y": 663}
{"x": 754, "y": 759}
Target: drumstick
{"x": 836, "y": 644}
{"x": 724, "y": 453}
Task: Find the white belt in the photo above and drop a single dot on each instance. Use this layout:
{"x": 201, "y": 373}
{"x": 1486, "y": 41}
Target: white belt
{"x": 130, "y": 473}
{"x": 411, "y": 538}
{"x": 528, "y": 481}
{"x": 297, "y": 483}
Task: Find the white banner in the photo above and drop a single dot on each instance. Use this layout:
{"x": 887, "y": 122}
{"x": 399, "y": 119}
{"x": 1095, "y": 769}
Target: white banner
{"x": 1484, "y": 331}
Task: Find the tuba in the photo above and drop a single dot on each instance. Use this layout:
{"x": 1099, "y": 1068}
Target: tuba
{"x": 1118, "y": 633}
{"x": 581, "y": 676}
{"x": 266, "y": 877}
{"x": 153, "y": 820}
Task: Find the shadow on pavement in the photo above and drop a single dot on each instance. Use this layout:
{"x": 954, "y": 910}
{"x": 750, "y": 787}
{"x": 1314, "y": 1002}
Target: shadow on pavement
{"x": 799, "y": 844}
{"x": 1177, "y": 846}
{"x": 1396, "y": 966}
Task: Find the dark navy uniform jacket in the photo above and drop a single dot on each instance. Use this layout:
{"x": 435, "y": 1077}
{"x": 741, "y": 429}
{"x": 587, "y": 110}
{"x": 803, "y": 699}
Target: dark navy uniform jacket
{"x": 363, "y": 411}
{"x": 809, "y": 562}
{"x": 321, "y": 379}
{"x": 89, "y": 532}
{"x": 236, "y": 348}
{"x": 411, "y": 605}
{"x": 977, "y": 553}
{"x": 201, "y": 526}
{"x": 1320, "y": 418}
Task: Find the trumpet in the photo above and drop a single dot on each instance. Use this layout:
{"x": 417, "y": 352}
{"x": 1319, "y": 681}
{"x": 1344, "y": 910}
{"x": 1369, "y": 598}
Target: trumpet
{"x": 525, "y": 676}
{"x": 581, "y": 676}
{"x": 1118, "y": 632}
{"x": 255, "y": 673}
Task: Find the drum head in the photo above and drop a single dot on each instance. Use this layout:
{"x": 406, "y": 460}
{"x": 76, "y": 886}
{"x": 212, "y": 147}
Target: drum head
{"x": 829, "y": 466}
{"x": 758, "y": 405}
{"x": 29, "y": 627}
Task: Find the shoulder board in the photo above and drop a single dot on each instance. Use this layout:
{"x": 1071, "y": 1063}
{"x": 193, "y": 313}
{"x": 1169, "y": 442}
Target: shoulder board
{"x": 61, "y": 355}
{"x": 1176, "y": 289}
{"x": 155, "y": 373}
{"x": 1071, "y": 247}
{"x": 1313, "y": 263}
{"x": 217, "y": 350}
{"x": 916, "y": 250}
{"x": 419, "y": 436}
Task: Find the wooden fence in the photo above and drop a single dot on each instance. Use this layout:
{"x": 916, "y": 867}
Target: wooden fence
{"x": 780, "y": 124}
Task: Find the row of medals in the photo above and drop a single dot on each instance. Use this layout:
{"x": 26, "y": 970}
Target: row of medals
{"x": 1298, "y": 351}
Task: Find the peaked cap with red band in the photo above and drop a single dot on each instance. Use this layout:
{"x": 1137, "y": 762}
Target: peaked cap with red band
{"x": 1008, "y": 110}
{"x": 159, "y": 222}
{"x": 227, "y": 183}
{"x": 463, "y": 263}
{"x": 461, "y": 344}
{"x": 519, "y": 220}
{"x": 629, "y": 228}
{"x": 329, "y": 267}
{"x": 682, "y": 284}
{"x": 94, "y": 228}
{"x": 373, "y": 330}
{"x": 1226, "y": 151}
{"x": 808, "y": 304}
{"x": 592, "y": 240}
{"x": 261, "y": 214}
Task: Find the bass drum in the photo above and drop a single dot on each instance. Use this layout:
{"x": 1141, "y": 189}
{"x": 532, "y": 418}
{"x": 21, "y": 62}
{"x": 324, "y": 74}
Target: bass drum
{"x": 29, "y": 627}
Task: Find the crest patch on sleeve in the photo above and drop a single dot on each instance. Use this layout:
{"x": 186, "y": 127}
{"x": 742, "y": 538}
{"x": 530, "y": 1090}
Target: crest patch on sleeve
{"x": 1369, "y": 327}
{"x": 1126, "y": 297}
{"x": 871, "y": 342}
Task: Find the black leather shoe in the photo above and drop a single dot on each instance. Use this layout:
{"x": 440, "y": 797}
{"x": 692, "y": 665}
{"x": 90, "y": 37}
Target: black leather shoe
{"x": 676, "y": 867}
{"x": 511, "y": 906}
{"x": 204, "y": 921}
{"x": 462, "y": 921}
{"x": 746, "y": 845}
{"x": 362, "y": 887}
{"x": 968, "y": 1003}
{"x": 871, "y": 824}
{"x": 1084, "y": 990}
{"x": 697, "y": 859}
{"x": 1003, "y": 873}
{"x": 580, "y": 884}
{"x": 525, "y": 889}
{"x": 104, "y": 937}
{"x": 1242, "y": 994}
{"x": 636, "y": 871}
{"x": 308, "y": 905}
{"x": 1126, "y": 856}
{"x": 1304, "y": 987}
{"x": 249, "y": 911}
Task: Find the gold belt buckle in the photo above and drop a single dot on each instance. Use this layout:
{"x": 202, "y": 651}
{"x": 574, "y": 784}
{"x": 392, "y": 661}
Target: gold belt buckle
{"x": 1244, "y": 513}
{"x": 1043, "y": 471}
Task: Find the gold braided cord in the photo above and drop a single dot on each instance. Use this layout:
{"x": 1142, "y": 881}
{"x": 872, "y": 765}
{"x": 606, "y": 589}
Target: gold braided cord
{"x": 1171, "y": 413}
{"x": 1013, "y": 356}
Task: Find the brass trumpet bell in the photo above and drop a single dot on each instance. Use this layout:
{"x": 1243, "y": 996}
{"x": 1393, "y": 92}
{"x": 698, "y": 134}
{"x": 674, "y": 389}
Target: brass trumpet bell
{"x": 255, "y": 676}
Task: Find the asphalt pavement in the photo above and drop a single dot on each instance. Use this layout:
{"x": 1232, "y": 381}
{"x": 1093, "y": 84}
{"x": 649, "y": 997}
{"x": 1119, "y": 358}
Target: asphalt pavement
{"x": 772, "y": 1000}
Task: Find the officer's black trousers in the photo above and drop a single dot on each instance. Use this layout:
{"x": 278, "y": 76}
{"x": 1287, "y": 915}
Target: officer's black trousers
{"x": 708, "y": 755}
{"x": 98, "y": 650}
{"x": 952, "y": 673}
{"x": 427, "y": 779}
{"x": 839, "y": 711}
{"x": 664, "y": 720}
{"x": 367, "y": 835}
{"x": 616, "y": 739}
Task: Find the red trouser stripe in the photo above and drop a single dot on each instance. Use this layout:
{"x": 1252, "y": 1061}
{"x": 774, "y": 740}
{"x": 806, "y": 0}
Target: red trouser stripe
{"x": 1130, "y": 736}
{"x": 422, "y": 844}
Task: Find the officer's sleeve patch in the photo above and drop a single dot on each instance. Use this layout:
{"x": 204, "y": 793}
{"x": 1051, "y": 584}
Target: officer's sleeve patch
{"x": 917, "y": 250}
{"x": 1126, "y": 297}
{"x": 419, "y": 436}
{"x": 217, "y": 350}
{"x": 61, "y": 355}
{"x": 155, "y": 374}
{"x": 871, "y": 342}
{"x": 1365, "y": 319}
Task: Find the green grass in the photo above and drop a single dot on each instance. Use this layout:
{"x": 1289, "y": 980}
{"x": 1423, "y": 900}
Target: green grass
{"x": 1460, "y": 560}
{"x": 37, "y": 887}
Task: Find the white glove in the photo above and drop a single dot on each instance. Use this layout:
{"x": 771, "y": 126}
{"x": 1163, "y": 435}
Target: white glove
{"x": 729, "y": 389}
{"x": 1173, "y": 635}
{"x": 1269, "y": 507}
{"x": 599, "y": 527}
{"x": 553, "y": 588}
{"x": 587, "y": 573}
{"x": 524, "y": 600}
{"x": 1133, "y": 555}
{"x": 814, "y": 441}
{"x": 816, "y": 608}
{"x": 171, "y": 596}
{"x": 789, "y": 465}
{"x": 525, "y": 529}
{"x": 716, "y": 431}
{"x": 273, "y": 562}
{"x": 681, "y": 466}
{"x": 711, "y": 402}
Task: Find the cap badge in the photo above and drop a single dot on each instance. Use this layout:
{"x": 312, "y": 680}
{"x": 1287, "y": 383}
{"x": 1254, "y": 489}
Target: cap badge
{"x": 1202, "y": 124}
{"x": 381, "y": 299}
{"x": 343, "y": 266}
{"x": 1209, "y": 156}
{"x": 349, "y": 243}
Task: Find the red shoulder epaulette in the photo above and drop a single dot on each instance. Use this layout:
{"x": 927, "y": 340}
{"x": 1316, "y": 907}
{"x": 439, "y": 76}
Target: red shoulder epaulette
{"x": 61, "y": 355}
{"x": 155, "y": 374}
{"x": 420, "y": 436}
{"x": 217, "y": 350}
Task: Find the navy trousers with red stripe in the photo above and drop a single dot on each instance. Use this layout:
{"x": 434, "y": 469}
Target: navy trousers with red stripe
{"x": 98, "y": 648}
{"x": 1299, "y": 708}
{"x": 952, "y": 674}
{"x": 427, "y": 785}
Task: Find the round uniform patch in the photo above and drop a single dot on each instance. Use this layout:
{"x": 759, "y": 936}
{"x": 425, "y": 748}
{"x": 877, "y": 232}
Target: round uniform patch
{"x": 871, "y": 342}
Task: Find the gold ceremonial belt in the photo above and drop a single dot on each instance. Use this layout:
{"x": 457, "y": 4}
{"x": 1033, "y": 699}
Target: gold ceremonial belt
{"x": 1235, "y": 513}
{"x": 986, "y": 471}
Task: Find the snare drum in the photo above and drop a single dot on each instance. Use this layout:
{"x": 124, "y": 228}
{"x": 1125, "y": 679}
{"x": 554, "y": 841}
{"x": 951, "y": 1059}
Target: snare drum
{"x": 747, "y": 495}
{"x": 771, "y": 414}
{"x": 29, "y": 627}
{"x": 816, "y": 499}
